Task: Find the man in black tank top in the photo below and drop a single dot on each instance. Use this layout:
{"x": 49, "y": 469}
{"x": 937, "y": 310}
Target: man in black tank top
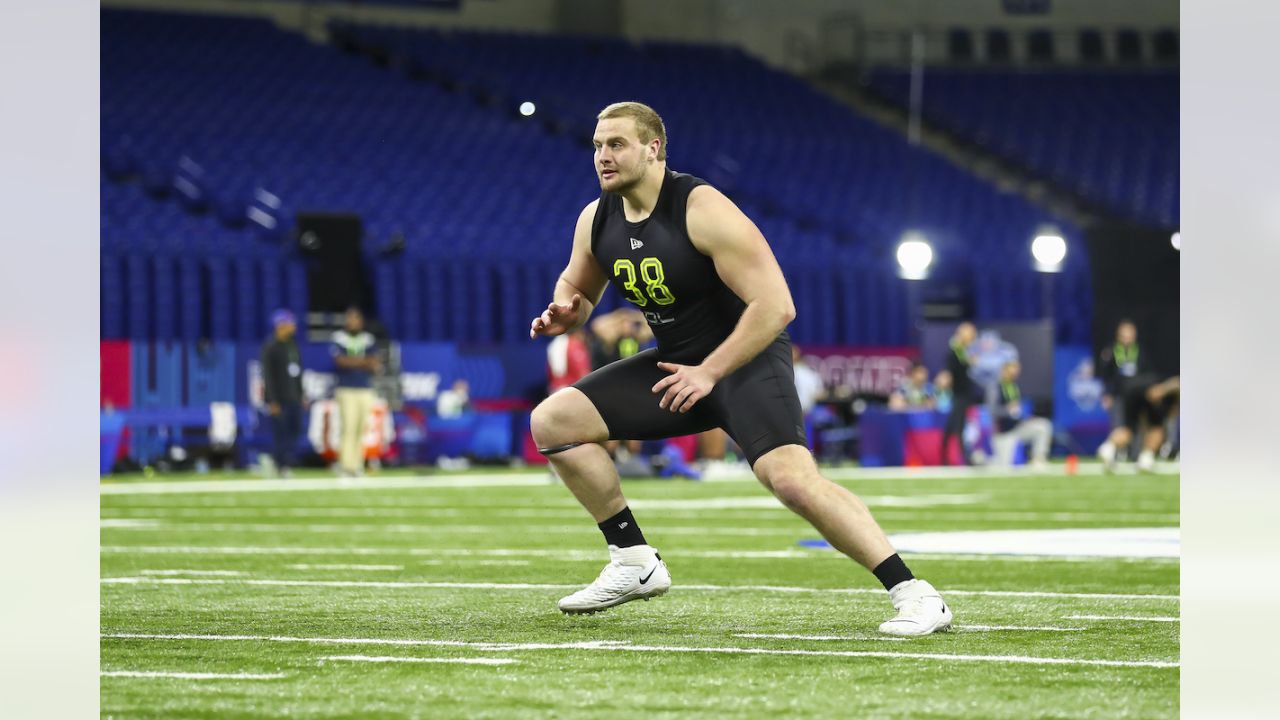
{"x": 718, "y": 305}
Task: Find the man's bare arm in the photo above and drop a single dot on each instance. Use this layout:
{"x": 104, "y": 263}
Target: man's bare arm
{"x": 745, "y": 263}
{"x": 582, "y": 278}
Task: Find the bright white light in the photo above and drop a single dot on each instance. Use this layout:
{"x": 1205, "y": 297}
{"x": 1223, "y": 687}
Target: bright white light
{"x": 1177, "y": 241}
{"x": 1049, "y": 251}
{"x": 527, "y": 108}
{"x": 914, "y": 257}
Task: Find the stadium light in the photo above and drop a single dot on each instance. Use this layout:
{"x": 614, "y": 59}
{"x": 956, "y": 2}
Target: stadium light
{"x": 1049, "y": 250}
{"x": 914, "y": 257}
{"x": 527, "y": 108}
{"x": 1176, "y": 241}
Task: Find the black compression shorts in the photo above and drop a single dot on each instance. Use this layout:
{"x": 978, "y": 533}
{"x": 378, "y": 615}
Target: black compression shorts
{"x": 757, "y": 404}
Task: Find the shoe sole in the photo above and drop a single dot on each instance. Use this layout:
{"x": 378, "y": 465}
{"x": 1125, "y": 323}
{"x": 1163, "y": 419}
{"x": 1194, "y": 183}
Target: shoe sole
{"x": 620, "y": 601}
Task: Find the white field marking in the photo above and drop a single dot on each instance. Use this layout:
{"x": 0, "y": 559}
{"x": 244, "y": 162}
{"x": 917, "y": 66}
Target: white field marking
{"x": 410, "y": 584}
{"x": 784, "y": 636}
{"x": 398, "y": 642}
{"x": 458, "y": 552}
{"x": 223, "y": 573}
{"x": 1013, "y": 628}
{"x": 538, "y": 479}
{"x": 575, "y": 555}
{"x": 430, "y": 528}
{"x": 394, "y": 659}
{"x": 304, "y": 566}
{"x": 125, "y": 522}
{"x": 1035, "y": 558}
{"x": 1019, "y": 474}
{"x": 1037, "y": 516}
{"x": 1101, "y": 542}
{"x": 192, "y": 675}
{"x": 164, "y": 487}
{"x": 1123, "y": 618}
{"x": 751, "y": 502}
{"x": 571, "y": 514}
{"x": 625, "y": 647}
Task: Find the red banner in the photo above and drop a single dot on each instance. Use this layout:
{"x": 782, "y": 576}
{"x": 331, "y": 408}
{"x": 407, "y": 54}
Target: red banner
{"x": 861, "y": 370}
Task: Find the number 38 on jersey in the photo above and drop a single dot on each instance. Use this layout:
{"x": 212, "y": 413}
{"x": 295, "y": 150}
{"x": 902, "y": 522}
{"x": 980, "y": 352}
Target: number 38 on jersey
{"x": 650, "y": 275}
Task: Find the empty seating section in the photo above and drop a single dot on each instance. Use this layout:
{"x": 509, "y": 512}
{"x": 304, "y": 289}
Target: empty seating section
{"x": 1111, "y": 137}
{"x": 256, "y": 121}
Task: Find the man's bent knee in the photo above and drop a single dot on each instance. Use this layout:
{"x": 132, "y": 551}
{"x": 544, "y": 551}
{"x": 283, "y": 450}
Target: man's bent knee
{"x": 794, "y": 489}
{"x": 567, "y": 418}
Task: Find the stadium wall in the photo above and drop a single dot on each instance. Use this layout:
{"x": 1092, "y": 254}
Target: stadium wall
{"x": 798, "y": 35}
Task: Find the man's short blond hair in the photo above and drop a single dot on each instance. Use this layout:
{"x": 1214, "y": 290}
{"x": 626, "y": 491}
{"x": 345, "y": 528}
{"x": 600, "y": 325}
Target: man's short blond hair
{"x": 648, "y": 122}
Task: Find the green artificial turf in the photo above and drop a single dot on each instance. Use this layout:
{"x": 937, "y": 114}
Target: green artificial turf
{"x": 439, "y": 570}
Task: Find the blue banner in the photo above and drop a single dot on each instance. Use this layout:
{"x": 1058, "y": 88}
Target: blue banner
{"x": 1077, "y": 397}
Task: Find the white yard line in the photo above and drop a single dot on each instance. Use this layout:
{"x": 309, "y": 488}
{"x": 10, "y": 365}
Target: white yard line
{"x": 620, "y": 647}
{"x": 125, "y": 522}
{"x": 397, "y": 642}
{"x": 192, "y": 675}
{"x": 1123, "y": 618}
{"x": 222, "y": 573}
{"x": 167, "y": 487}
{"x": 126, "y": 580}
{"x": 784, "y": 636}
{"x": 592, "y": 555}
{"x": 1014, "y": 628}
{"x": 537, "y": 479}
{"x": 304, "y": 566}
{"x": 759, "y": 502}
{"x": 431, "y": 528}
{"x": 394, "y": 659}
{"x": 122, "y": 517}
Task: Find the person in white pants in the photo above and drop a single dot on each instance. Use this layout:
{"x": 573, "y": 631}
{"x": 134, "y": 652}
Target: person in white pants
{"x": 1012, "y": 428}
{"x": 355, "y": 361}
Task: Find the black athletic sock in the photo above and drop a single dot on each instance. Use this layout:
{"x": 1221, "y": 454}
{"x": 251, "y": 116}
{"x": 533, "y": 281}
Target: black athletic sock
{"x": 621, "y": 530}
{"x": 892, "y": 571}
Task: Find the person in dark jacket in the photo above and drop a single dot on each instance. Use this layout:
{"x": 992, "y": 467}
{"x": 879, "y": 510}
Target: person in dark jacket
{"x": 282, "y": 389}
{"x": 1133, "y": 393}
{"x": 964, "y": 393}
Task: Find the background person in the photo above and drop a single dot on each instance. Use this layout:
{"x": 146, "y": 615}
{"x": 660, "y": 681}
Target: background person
{"x": 1126, "y": 375}
{"x": 963, "y": 389}
{"x": 1011, "y": 425}
{"x": 282, "y": 390}
{"x": 914, "y": 392}
{"x": 353, "y": 349}
{"x": 809, "y": 385}
{"x": 456, "y": 401}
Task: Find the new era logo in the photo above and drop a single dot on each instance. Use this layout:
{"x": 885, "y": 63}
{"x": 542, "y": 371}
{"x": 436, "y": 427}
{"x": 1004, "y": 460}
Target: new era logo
{"x": 636, "y": 244}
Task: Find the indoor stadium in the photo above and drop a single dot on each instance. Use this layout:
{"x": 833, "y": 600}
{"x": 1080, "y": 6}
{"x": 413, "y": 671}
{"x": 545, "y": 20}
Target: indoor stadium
{"x": 845, "y": 334}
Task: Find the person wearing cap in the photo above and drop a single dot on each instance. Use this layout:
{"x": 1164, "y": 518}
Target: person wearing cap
{"x": 282, "y": 389}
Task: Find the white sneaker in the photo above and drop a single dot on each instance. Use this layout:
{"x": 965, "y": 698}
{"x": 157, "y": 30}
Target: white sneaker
{"x": 1107, "y": 454}
{"x": 921, "y": 610}
{"x": 635, "y": 573}
{"x": 1147, "y": 461}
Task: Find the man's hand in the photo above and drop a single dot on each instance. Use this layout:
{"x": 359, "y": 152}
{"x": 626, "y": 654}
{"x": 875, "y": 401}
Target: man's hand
{"x": 1106, "y": 402}
{"x": 557, "y": 319}
{"x": 686, "y": 385}
{"x": 273, "y": 409}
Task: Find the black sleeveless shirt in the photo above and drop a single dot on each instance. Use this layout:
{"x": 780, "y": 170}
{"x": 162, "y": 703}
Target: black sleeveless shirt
{"x": 655, "y": 266}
